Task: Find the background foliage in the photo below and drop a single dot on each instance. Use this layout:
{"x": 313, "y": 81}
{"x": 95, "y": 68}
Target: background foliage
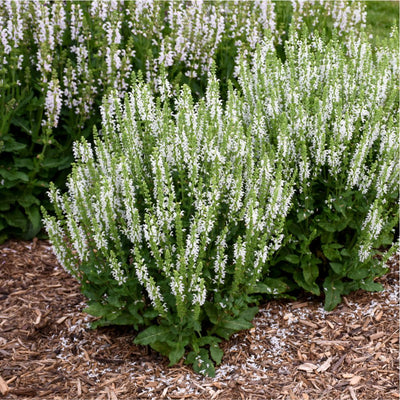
{"x": 54, "y": 73}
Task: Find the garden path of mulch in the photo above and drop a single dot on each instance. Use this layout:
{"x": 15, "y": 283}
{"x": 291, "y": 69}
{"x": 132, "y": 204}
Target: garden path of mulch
{"x": 296, "y": 350}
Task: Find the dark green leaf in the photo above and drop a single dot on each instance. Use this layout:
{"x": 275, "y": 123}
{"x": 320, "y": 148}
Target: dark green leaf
{"x": 17, "y": 219}
{"x": 23, "y": 163}
{"x": 27, "y": 200}
{"x": 310, "y": 270}
{"x": 35, "y": 222}
{"x": 96, "y": 309}
{"x": 11, "y": 145}
{"x": 212, "y": 312}
{"x": 359, "y": 272}
{"x": 371, "y": 286}
{"x": 331, "y": 253}
{"x": 176, "y": 353}
{"x": 14, "y": 175}
{"x": 201, "y": 363}
{"x": 153, "y": 334}
{"x": 338, "y": 268}
{"x": 333, "y": 289}
{"x": 328, "y": 226}
{"x": 236, "y": 324}
{"x": 292, "y": 258}
{"x": 249, "y": 313}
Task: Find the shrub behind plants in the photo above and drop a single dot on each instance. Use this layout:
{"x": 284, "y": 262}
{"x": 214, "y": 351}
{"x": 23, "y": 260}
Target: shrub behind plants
{"x": 58, "y": 60}
{"x": 170, "y": 217}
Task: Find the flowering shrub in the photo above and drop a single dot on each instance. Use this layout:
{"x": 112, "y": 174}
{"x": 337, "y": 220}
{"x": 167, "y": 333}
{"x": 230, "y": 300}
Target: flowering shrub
{"x": 334, "y": 110}
{"x": 58, "y": 59}
{"x": 170, "y": 217}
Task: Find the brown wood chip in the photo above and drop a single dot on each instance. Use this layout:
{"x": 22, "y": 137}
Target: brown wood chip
{"x": 3, "y": 387}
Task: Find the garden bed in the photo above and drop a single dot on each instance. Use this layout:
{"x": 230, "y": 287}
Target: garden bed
{"x": 296, "y": 350}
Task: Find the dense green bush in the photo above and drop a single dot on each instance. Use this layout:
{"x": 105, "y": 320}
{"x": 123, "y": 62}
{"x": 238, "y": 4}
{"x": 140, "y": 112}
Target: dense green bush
{"x": 169, "y": 222}
{"x": 58, "y": 59}
{"x": 335, "y": 110}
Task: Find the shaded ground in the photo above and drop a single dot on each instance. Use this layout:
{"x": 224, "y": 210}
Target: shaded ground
{"x": 296, "y": 350}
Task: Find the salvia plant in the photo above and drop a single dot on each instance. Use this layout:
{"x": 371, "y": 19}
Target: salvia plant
{"x": 58, "y": 59}
{"x": 170, "y": 217}
{"x": 334, "y": 110}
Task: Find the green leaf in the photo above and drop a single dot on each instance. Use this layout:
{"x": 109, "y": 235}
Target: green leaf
{"x": 212, "y": 312}
{"x": 345, "y": 252}
{"x": 96, "y": 309}
{"x": 211, "y": 340}
{"x": 150, "y": 314}
{"x": 310, "y": 270}
{"x": 57, "y": 161}
{"x": 4, "y": 206}
{"x": 17, "y": 219}
{"x": 292, "y": 258}
{"x": 333, "y": 289}
{"x": 27, "y": 200}
{"x": 303, "y": 215}
{"x": 11, "y": 145}
{"x": 297, "y": 230}
{"x": 358, "y": 272}
{"x": 328, "y": 226}
{"x": 216, "y": 353}
{"x": 236, "y": 324}
{"x": 338, "y": 268}
{"x": 153, "y": 334}
{"x": 312, "y": 286}
{"x": 35, "y": 220}
{"x": 22, "y": 123}
{"x": 331, "y": 253}
{"x": 124, "y": 319}
{"x": 176, "y": 353}
{"x": 23, "y": 163}
{"x": 249, "y": 313}
{"x": 14, "y": 175}
{"x": 371, "y": 286}
{"x": 201, "y": 362}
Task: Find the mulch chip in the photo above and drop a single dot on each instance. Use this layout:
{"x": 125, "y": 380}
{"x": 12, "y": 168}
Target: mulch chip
{"x": 296, "y": 350}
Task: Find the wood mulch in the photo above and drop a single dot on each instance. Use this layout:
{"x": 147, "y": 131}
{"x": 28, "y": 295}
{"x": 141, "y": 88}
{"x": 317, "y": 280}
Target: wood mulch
{"x": 296, "y": 350}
